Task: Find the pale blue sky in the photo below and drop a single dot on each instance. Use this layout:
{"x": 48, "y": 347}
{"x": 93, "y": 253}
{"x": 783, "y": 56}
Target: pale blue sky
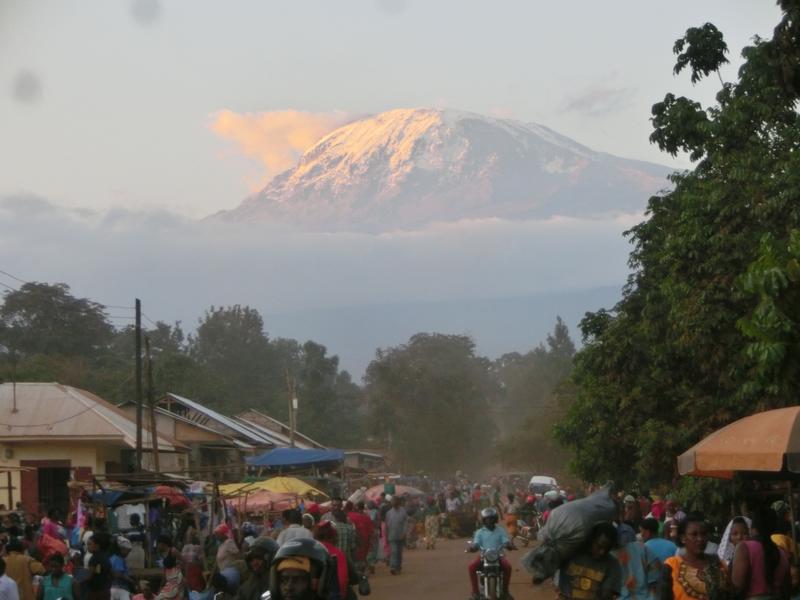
{"x": 107, "y": 103}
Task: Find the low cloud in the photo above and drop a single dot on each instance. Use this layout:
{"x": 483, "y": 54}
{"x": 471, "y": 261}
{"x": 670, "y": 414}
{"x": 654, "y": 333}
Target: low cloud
{"x": 598, "y": 101}
{"x": 276, "y": 139}
{"x": 180, "y": 267}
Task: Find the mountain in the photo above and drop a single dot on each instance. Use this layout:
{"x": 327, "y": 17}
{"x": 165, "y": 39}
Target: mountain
{"x": 409, "y": 167}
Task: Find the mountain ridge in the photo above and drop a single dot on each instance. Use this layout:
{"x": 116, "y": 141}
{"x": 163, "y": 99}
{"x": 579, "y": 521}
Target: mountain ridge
{"x": 405, "y": 168}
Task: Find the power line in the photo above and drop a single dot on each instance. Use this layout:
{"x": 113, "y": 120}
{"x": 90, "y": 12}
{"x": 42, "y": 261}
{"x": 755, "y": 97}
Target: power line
{"x": 7, "y": 274}
{"x": 114, "y": 306}
{"x": 29, "y": 425}
{"x": 153, "y": 323}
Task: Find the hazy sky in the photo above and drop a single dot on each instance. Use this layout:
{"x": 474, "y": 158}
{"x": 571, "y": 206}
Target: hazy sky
{"x": 150, "y": 103}
{"x": 122, "y": 120}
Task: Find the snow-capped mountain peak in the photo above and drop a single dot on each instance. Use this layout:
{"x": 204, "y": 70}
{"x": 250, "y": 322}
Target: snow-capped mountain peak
{"x": 408, "y": 167}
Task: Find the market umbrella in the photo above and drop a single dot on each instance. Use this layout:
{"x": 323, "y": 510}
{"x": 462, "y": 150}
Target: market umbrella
{"x": 767, "y": 442}
{"x": 283, "y": 485}
{"x": 264, "y": 501}
{"x": 174, "y": 496}
{"x": 375, "y": 491}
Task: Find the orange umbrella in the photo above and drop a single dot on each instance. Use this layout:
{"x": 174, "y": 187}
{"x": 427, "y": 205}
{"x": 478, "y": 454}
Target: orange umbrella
{"x": 768, "y": 441}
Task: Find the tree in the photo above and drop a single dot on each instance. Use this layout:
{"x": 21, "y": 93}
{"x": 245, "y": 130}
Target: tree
{"x": 46, "y": 319}
{"x": 429, "y": 401}
{"x": 238, "y": 366}
{"x": 707, "y": 327}
{"x": 530, "y": 382}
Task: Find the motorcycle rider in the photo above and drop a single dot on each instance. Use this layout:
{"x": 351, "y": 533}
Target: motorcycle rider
{"x": 303, "y": 570}
{"x": 490, "y": 536}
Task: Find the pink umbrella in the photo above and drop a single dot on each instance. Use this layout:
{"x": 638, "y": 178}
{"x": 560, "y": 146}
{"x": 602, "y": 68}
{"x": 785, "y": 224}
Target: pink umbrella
{"x": 264, "y": 501}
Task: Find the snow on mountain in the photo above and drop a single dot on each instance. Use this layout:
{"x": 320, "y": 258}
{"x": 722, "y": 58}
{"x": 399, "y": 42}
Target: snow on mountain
{"x": 409, "y": 167}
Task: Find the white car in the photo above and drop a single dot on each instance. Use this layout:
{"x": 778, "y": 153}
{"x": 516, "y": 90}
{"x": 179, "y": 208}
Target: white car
{"x": 541, "y": 484}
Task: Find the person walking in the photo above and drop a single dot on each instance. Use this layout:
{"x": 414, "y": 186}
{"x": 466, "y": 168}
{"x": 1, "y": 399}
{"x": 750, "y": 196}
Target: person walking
{"x": 98, "y": 583}
{"x": 396, "y": 520}
{"x": 294, "y": 518}
{"x": 8, "y": 587}
{"x": 694, "y": 574}
{"x": 57, "y": 584}
{"x": 431, "y": 524}
{"x": 22, "y": 568}
{"x": 122, "y": 584}
{"x": 759, "y": 568}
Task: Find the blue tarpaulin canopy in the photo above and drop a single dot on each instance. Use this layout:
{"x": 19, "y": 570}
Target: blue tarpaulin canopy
{"x": 295, "y": 457}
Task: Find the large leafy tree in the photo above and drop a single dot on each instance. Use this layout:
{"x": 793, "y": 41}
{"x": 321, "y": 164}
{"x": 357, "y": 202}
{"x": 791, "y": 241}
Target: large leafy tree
{"x": 708, "y": 328}
{"x": 429, "y": 401}
{"x": 46, "y": 319}
{"x": 238, "y": 366}
{"x": 529, "y": 383}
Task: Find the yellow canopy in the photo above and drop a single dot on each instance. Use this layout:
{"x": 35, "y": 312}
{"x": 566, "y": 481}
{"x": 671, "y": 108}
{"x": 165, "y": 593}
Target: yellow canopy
{"x": 282, "y": 485}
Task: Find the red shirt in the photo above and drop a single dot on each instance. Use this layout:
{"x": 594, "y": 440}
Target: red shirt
{"x": 363, "y": 525}
{"x": 341, "y": 566}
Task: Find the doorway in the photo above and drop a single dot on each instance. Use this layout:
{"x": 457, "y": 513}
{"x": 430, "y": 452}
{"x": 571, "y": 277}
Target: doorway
{"x": 45, "y": 486}
{"x": 53, "y": 490}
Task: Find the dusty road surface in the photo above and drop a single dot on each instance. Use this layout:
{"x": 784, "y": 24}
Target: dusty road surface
{"x": 441, "y": 574}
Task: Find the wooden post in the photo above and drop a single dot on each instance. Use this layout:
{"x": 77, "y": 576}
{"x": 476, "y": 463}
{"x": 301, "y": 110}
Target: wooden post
{"x": 292, "y": 407}
{"x": 10, "y": 491}
{"x": 138, "y": 345}
{"x": 151, "y": 403}
{"x": 792, "y": 513}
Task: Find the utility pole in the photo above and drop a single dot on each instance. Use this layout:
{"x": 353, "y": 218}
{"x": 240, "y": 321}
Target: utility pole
{"x": 151, "y": 403}
{"x": 292, "y": 407}
{"x": 138, "y": 334}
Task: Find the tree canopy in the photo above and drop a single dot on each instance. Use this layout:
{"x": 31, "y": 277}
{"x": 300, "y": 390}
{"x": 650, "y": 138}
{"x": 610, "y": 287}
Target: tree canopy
{"x": 708, "y": 327}
{"x": 429, "y": 400}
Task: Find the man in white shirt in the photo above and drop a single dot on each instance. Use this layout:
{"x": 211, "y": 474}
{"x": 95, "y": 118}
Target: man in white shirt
{"x": 295, "y": 529}
{"x": 8, "y": 587}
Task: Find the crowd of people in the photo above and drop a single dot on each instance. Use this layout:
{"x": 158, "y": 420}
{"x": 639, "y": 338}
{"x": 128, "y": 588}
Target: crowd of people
{"x": 656, "y": 550}
{"x": 652, "y": 550}
{"x": 46, "y": 559}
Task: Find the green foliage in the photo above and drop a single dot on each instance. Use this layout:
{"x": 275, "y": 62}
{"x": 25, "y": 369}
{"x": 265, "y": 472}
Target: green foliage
{"x": 40, "y": 318}
{"x": 702, "y": 49}
{"x": 46, "y": 334}
{"x": 428, "y": 401}
{"x": 530, "y": 384}
{"x": 708, "y": 327}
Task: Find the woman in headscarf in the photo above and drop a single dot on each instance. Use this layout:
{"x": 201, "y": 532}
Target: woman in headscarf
{"x": 228, "y": 551}
{"x": 694, "y": 575}
{"x": 736, "y": 531}
{"x": 760, "y": 570}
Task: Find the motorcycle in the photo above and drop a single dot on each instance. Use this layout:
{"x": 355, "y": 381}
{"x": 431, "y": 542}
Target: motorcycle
{"x": 528, "y": 532}
{"x": 490, "y": 574}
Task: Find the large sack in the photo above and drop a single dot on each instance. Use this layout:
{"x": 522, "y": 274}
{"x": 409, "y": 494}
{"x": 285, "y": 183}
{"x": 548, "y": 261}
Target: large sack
{"x": 49, "y": 545}
{"x": 360, "y": 495}
{"x": 566, "y": 530}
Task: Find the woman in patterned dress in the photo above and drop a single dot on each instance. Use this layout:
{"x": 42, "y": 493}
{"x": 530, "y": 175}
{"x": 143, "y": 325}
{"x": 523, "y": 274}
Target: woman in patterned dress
{"x": 694, "y": 575}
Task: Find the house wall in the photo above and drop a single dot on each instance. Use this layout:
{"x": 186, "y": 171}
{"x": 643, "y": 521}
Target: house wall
{"x": 86, "y": 458}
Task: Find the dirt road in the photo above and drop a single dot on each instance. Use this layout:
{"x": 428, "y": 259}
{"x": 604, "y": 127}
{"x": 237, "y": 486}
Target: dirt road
{"x": 441, "y": 574}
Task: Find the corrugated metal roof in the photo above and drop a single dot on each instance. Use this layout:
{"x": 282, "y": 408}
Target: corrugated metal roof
{"x": 240, "y": 428}
{"x": 229, "y": 439}
{"x": 298, "y": 436}
{"x": 277, "y": 438}
{"x": 55, "y": 411}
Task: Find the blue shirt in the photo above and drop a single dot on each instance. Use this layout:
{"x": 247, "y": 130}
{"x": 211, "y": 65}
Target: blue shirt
{"x": 118, "y": 564}
{"x": 486, "y": 539}
{"x": 662, "y": 548}
{"x": 641, "y": 571}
